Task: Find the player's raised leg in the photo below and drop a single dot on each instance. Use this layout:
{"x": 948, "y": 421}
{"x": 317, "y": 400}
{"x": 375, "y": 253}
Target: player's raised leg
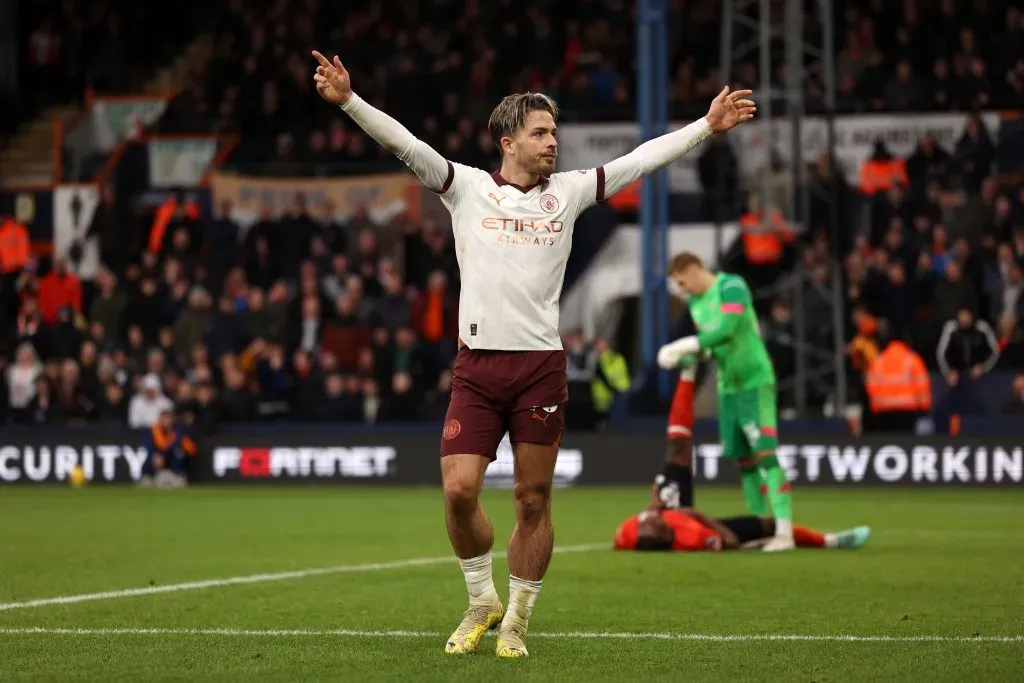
{"x": 674, "y": 486}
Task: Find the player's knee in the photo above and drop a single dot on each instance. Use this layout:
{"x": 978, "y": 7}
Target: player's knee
{"x": 533, "y": 501}
{"x": 461, "y": 496}
{"x": 680, "y": 451}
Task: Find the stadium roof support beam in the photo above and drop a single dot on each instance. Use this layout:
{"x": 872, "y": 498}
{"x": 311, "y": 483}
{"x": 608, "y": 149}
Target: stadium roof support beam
{"x": 793, "y": 59}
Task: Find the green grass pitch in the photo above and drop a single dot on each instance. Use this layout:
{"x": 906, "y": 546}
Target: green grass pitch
{"x": 941, "y": 563}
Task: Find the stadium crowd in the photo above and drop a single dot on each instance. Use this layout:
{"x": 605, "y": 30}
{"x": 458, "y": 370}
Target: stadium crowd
{"x": 449, "y": 61}
{"x": 938, "y": 261}
{"x": 305, "y": 318}
{"x": 294, "y": 318}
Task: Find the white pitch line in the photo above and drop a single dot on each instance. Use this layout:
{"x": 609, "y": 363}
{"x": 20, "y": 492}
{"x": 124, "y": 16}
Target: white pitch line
{"x": 593, "y": 635}
{"x": 261, "y": 578}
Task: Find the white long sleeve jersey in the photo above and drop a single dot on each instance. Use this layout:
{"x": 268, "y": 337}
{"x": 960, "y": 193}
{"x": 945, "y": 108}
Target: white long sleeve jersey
{"x": 512, "y": 242}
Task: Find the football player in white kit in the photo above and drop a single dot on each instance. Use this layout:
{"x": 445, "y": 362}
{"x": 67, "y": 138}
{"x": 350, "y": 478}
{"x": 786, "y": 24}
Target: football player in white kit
{"x": 513, "y": 231}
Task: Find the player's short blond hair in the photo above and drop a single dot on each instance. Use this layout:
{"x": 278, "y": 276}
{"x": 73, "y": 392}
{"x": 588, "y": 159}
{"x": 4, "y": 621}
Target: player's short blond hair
{"x": 684, "y": 260}
{"x": 509, "y": 117}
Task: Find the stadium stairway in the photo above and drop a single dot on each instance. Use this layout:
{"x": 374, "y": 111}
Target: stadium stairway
{"x": 29, "y": 159}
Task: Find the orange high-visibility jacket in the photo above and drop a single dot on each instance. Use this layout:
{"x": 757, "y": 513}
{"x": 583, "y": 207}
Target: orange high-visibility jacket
{"x": 763, "y": 242}
{"x": 897, "y": 381}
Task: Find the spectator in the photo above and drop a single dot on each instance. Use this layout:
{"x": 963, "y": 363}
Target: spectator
{"x": 974, "y": 153}
{"x": 1015, "y": 404}
{"x": 260, "y": 322}
{"x": 88, "y": 370}
{"x": 718, "y": 171}
{"x": 146, "y": 309}
{"x": 237, "y": 402}
{"x": 307, "y": 335}
{"x": 435, "y": 317}
{"x": 898, "y": 303}
{"x": 402, "y": 404}
{"x": 967, "y": 350}
{"x": 21, "y": 379}
{"x": 898, "y": 389}
{"x": 904, "y": 91}
{"x": 108, "y": 306}
{"x": 882, "y": 171}
{"x": 929, "y": 161}
{"x": 611, "y": 377}
{"x": 169, "y": 447}
{"x": 272, "y": 378}
{"x": 113, "y": 405}
{"x": 58, "y": 289}
{"x": 146, "y": 406}
{"x": 371, "y": 407}
{"x": 953, "y": 293}
{"x": 40, "y": 410}
{"x": 71, "y": 403}
{"x": 110, "y": 228}
{"x": 226, "y": 332}
{"x": 14, "y": 249}
{"x": 64, "y": 336}
{"x": 336, "y": 404}
{"x": 305, "y": 389}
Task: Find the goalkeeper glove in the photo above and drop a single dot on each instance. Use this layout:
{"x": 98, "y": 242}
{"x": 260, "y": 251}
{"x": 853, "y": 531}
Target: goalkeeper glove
{"x": 670, "y": 355}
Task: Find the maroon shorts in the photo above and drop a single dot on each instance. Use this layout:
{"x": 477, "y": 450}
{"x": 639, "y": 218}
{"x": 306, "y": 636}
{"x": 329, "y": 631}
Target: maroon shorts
{"x": 520, "y": 392}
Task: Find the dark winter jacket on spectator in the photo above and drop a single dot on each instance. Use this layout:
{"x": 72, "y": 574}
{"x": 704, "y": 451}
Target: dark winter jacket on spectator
{"x": 109, "y": 311}
{"x": 950, "y": 297}
{"x": 961, "y": 349}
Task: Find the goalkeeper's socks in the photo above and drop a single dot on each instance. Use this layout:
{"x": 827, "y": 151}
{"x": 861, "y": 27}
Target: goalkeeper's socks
{"x": 522, "y": 595}
{"x": 809, "y": 538}
{"x": 675, "y": 486}
{"x": 750, "y": 478}
{"x": 779, "y": 494}
{"x": 479, "y": 580}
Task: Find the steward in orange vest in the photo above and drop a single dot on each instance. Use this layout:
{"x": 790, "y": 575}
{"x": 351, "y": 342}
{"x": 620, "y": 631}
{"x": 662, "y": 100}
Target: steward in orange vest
{"x": 898, "y": 381}
{"x": 882, "y": 171}
{"x": 764, "y": 240}
{"x": 14, "y": 246}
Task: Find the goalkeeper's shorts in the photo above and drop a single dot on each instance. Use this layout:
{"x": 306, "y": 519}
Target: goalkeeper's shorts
{"x": 747, "y": 422}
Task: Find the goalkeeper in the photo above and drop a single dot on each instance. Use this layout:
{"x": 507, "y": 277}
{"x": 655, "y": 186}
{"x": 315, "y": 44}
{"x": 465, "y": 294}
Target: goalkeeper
{"x": 728, "y": 331}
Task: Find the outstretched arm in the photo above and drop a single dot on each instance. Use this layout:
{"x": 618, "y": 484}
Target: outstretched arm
{"x": 334, "y": 85}
{"x": 727, "y": 111}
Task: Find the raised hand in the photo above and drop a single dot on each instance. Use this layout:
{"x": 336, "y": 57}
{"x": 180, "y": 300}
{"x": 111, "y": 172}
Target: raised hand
{"x": 332, "y": 80}
{"x": 730, "y": 109}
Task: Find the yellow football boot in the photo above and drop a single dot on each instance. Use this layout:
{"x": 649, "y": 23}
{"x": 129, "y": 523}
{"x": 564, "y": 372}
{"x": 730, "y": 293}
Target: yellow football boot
{"x": 478, "y": 620}
{"x": 510, "y": 641}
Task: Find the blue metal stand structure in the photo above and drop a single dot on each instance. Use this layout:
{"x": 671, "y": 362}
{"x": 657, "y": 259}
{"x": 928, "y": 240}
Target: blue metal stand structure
{"x": 652, "y": 116}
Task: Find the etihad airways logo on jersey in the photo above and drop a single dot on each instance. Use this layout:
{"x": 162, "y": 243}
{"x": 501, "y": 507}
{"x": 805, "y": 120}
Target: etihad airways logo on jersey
{"x": 524, "y": 232}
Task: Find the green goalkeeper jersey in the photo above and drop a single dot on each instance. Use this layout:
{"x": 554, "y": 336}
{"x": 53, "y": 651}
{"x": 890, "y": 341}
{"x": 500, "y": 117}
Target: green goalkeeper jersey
{"x": 727, "y": 328}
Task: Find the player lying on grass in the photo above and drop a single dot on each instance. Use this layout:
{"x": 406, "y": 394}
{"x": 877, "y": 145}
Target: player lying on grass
{"x": 727, "y": 331}
{"x": 688, "y": 529}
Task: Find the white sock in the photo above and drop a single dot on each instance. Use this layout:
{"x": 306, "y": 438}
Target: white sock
{"x": 831, "y": 540}
{"x": 522, "y": 594}
{"x": 479, "y": 581}
{"x": 784, "y": 528}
